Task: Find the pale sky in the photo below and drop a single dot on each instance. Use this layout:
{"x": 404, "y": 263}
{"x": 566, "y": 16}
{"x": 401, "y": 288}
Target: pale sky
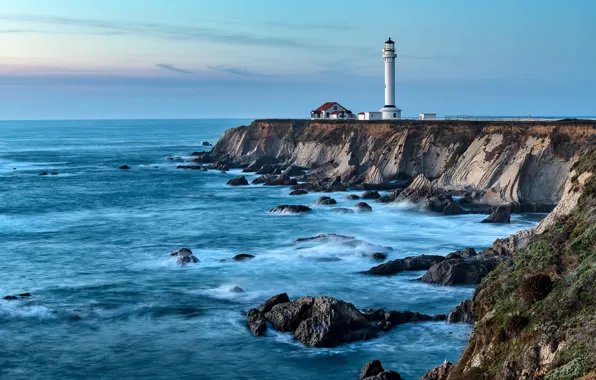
{"x": 64, "y": 59}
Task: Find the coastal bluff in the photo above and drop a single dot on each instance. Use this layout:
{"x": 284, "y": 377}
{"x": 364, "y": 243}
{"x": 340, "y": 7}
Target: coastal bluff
{"x": 525, "y": 163}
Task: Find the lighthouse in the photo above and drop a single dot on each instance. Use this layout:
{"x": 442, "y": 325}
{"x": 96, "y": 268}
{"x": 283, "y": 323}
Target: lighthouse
{"x": 390, "y": 111}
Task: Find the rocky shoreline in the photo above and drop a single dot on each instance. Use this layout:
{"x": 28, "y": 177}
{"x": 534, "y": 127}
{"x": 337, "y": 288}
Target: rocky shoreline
{"x": 450, "y": 168}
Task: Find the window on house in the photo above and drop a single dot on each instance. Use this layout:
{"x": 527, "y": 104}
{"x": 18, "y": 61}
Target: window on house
{"x": 327, "y": 113}
{"x": 335, "y": 108}
{"x": 394, "y": 114}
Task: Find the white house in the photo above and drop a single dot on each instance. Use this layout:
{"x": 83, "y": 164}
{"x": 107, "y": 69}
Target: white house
{"x": 331, "y": 110}
{"x": 370, "y": 116}
{"x": 428, "y": 116}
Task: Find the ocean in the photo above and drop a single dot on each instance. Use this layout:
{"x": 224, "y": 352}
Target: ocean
{"x": 91, "y": 245}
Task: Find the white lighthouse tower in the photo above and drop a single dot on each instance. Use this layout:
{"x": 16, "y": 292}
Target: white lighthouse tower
{"x": 390, "y": 111}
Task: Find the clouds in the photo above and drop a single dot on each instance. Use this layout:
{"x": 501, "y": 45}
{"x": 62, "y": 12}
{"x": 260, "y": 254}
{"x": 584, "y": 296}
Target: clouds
{"x": 170, "y": 67}
{"x": 235, "y": 70}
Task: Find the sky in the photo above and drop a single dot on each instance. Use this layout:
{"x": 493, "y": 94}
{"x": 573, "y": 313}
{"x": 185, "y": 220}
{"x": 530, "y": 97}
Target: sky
{"x": 86, "y": 59}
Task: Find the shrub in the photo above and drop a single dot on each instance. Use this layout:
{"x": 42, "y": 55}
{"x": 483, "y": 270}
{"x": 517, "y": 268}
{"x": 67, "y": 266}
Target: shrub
{"x": 534, "y": 288}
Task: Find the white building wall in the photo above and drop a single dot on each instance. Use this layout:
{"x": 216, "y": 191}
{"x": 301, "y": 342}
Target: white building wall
{"x": 370, "y": 116}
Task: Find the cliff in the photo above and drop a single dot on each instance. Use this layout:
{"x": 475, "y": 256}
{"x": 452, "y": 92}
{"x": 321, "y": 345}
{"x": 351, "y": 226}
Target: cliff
{"x": 510, "y": 162}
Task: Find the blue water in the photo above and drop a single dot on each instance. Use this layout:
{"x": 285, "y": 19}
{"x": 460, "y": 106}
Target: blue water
{"x": 93, "y": 241}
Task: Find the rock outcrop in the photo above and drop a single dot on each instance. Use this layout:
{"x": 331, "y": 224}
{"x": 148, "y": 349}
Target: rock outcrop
{"x": 238, "y": 181}
{"x": 411, "y": 263}
{"x": 502, "y": 214}
{"x": 439, "y": 373}
{"x": 325, "y": 201}
{"x": 461, "y": 271}
{"x": 373, "y": 370}
{"x": 462, "y": 313}
{"x": 185, "y": 256}
{"x": 290, "y": 209}
{"x": 422, "y": 193}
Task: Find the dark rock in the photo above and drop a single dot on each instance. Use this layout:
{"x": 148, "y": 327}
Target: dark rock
{"x": 206, "y": 143}
{"x": 384, "y": 186}
{"x": 325, "y": 201}
{"x": 466, "y": 254}
{"x": 202, "y": 158}
{"x": 293, "y": 171}
{"x": 237, "y": 289}
{"x": 9, "y": 298}
{"x": 25, "y": 294}
{"x": 123, "y": 167}
{"x": 256, "y": 322}
{"x": 363, "y": 207}
{"x": 243, "y": 257}
{"x": 371, "y": 194}
{"x": 260, "y": 162}
{"x": 281, "y": 180}
{"x": 238, "y": 181}
{"x": 187, "y": 260}
{"x": 43, "y": 173}
{"x": 373, "y": 370}
{"x": 352, "y": 197}
{"x": 266, "y": 169}
{"x": 421, "y": 193}
{"x": 53, "y": 173}
{"x": 182, "y": 252}
{"x": 277, "y": 299}
{"x": 342, "y": 210}
{"x": 384, "y": 199}
{"x": 191, "y": 167}
{"x": 323, "y": 238}
{"x": 298, "y": 192}
{"x": 462, "y": 313}
{"x": 325, "y": 185}
{"x": 411, "y": 263}
{"x": 326, "y": 259}
{"x": 402, "y": 317}
{"x": 501, "y": 214}
{"x": 294, "y": 209}
{"x": 460, "y": 271}
{"x": 378, "y": 256}
{"x": 278, "y": 170}
{"x": 262, "y": 179}
{"x": 438, "y": 373}
{"x": 287, "y": 316}
{"x": 332, "y": 322}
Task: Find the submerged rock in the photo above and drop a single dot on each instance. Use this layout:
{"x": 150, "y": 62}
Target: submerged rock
{"x": 206, "y": 143}
{"x": 281, "y": 180}
{"x": 438, "y": 373}
{"x": 373, "y": 370}
{"x": 43, "y": 173}
{"x": 371, "y": 194}
{"x": 384, "y": 199}
{"x": 352, "y": 197}
{"x": 501, "y": 214}
{"x": 262, "y": 179}
{"x": 461, "y": 271}
{"x": 298, "y": 192}
{"x": 10, "y": 298}
{"x": 325, "y": 201}
{"x": 185, "y": 256}
{"x": 323, "y": 238}
{"x": 411, "y": 263}
{"x": 123, "y": 167}
{"x": 363, "y": 207}
{"x": 293, "y": 171}
{"x": 378, "y": 256}
{"x": 266, "y": 169}
{"x": 237, "y": 289}
{"x": 238, "y": 181}
{"x": 342, "y": 210}
{"x": 260, "y": 162}
{"x": 291, "y": 209}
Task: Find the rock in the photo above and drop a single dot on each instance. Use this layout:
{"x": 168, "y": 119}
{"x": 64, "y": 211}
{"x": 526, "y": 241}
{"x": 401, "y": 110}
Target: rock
{"x": 243, "y": 257}
{"x": 352, "y": 197}
{"x": 237, "y": 289}
{"x": 277, "y": 299}
{"x": 182, "y": 252}
{"x": 191, "y": 167}
{"x": 260, "y": 162}
{"x": 384, "y": 199}
{"x": 421, "y": 193}
{"x": 256, "y": 322}
{"x": 411, "y": 263}
{"x": 187, "y": 260}
{"x": 466, "y": 254}
{"x": 378, "y": 256}
{"x": 293, "y": 171}
{"x": 438, "y": 373}
{"x": 238, "y": 181}
{"x": 501, "y": 214}
{"x": 9, "y": 298}
{"x": 287, "y": 316}
{"x": 373, "y": 370}
{"x": 298, "y": 192}
{"x": 262, "y": 179}
{"x": 363, "y": 207}
{"x": 342, "y": 210}
{"x": 462, "y": 313}
{"x": 266, "y": 169}
{"x": 460, "y": 271}
{"x": 206, "y": 143}
{"x": 325, "y": 201}
{"x": 281, "y": 180}
{"x": 332, "y": 322}
{"x": 290, "y": 209}
{"x": 53, "y": 173}
{"x": 202, "y": 158}
{"x": 323, "y": 238}
{"x": 43, "y": 173}
{"x": 371, "y": 194}
{"x": 123, "y": 167}
{"x": 25, "y": 294}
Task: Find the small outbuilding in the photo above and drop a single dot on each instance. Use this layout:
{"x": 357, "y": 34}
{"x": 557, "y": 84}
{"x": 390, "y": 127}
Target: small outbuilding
{"x": 370, "y": 116}
{"x": 428, "y": 116}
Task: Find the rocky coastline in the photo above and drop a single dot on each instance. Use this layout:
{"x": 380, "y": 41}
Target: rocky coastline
{"x": 492, "y": 168}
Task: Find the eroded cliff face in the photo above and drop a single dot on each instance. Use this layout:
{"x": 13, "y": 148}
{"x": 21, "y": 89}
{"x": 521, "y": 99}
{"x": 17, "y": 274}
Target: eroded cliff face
{"x": 524, "y": 163}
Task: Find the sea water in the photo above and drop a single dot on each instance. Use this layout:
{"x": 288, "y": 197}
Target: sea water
{"x": 91, "y": 244}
